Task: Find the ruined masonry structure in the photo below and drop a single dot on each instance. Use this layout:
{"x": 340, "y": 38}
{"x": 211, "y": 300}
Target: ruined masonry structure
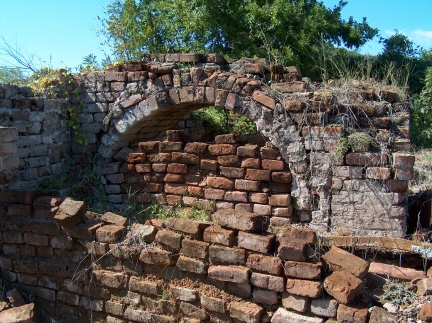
{"x": 358, "y": 189}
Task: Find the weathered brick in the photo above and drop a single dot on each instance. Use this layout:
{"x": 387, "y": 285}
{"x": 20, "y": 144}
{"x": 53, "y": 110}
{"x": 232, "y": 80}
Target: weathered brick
{"x": 265, "y": 296}
{"x": 261, "y": 198}
{"x": 185, "y": 158}
{"x": 239, "y": 220}
{"x": 70, "y": 213}
{"x": 177, "y": 168}
{"x": 83, "y": 231}
{"x": 159, "y": 167}
{"x": 234, "y": 274}
{"x": 247, "y": 151}
{"x": 246, "y": 312}
{"x": 228, "y": 160}
{"x": 13, "y": 237}
{"x": 153, "y": 288}
{"x": 110, "y": 233}
{"x": 380, "y": 173}
{"x": 213, "y": 304}
{"x": 326, "y": 307}
{"x": 305, "y": 288}
{"x": 192, "y": 265}
{"x": 301, "y": 233}
{"x": 295, "y": 302}
{"x": 112, "y": 218}
{"x": 169, "y": 239}
{"x": 222, "y": 149}
{"x": 184, "y": 294}
{"x": 149, "y": 146}
{"x": 280, "y": 200}
{"x": 302, "y": 270}
{"x": 218, "y": 235}
{"x": 366, "y": 159}
{"x": 157, "y": 257}
{"x": 220, "y": 182}
{"x": 170, "y": 146}
{"x": 136, "y": 158}
{"x": 395, "y": 272}
{"x": 207, "y": 164}
{"x": 265, "y": 264}
{"x": 159, "y": 158}
{"x": 232, "y": 172}
{"x": 257, "y": 174}
{"x": 255, "y": 242}
{"x": 337, "y": 259}
{"x": 351, "y": 314}
{"x": 260, "y": 97}
{"x": 197, "y": 148}
{"x": 193, "y": 311}
{"x": 273, "y": 165}
{"x": 343, "y": 286}
{"x": 292, "y": 249}
{"x": 195, "y": 249}
{"x": 219, "y": 255}
{"x": 251, "y": 163}
{"x": 282, "y": 316}
{"x": 36, "y": 239}
{"x": 174, "y": 178}
{"x": 214, "y": 194}
{"x": 236, "y": 196}
{"x": 262, "y": 209}
{"x": 246, "y": 185}
{"x": 268, "y": 282}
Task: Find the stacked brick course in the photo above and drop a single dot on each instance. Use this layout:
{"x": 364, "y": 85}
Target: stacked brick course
{"x": 80, "y": 265}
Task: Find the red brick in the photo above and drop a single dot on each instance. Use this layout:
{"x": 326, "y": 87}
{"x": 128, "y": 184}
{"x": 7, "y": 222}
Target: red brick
{"x": 232, "y": 172}
{"x": 170, "y": 146}
{"x": 110, "y": 233}
{"x": 219, "y": 255}
{"x": 403, "y": 161}
{"x": 403, "y": 174}
{"x": 257, "y": 175}
{"x": 397, "y": 186}
{"x": 246, "y": 312}
{"x": 70, "y": 213}
{"x": 184, "y": 294}
{"x": 338, "y": 259}
{"x": 302, "y": 270}
{"x": 246, "y": 185}
{"x": 191, "y": 265}
{"x": 251, "y": 163}
{"x": 292, "y": 249}
{"x": 197, "y": 148}
{"x": 243, "y": 207}
{"x": 281, "y": 177}
{"x": 273, "y": 165}
{"x": 159, "y": 167}
{"x": 343, "y": 286}
{"x": 174, "y": 135}
{"x": 175, "y": 200}
{"x": 282, "y": 211}
{"x": 247, "y": 151}
{"x": 278, "y": 187}
{"x": 213, "y": 304}
{"x": 222, "y": 149}
{"x": 262, "y": 209}
{"x": 395, "y": 272}
{"x": 260, "y": 97}
{"x": 154, "y": 187}
{"x": 237, "y": 220}
{"x": 195, "y": 228}
{"x": 177, "y": 189}
{"x": 185, "y": 158}
{"x": 278, "y": 223}
{"x": 352, "y": 314}
{"x": 426, "y": 312}
{"x": 295, "y": 302}
{"x": 366, "y": 159}
{"x": 265, "y": 264}
{"x": 261, "y": 198}
{"x": 214, "y": 194}
{"x": 234, "y": 274}
{"x": 255, "y": 242}
{"x": 136, "y": 158}
{"x": 143, "y": 168}
{"x": 220, "y": 182}
{"x": 159, "y": 158}
{"x": 195, "y": 191}
{"x": 149, "y": 146}
{"x": 381, "y": 173}
{"x": 36, "y": 239}
{"x": 169, "y": 239}
{"x": 264, "y": 296}
{"x": 174, "y": 178}
{"x": 83, "y": 231}
{"x": 269, "y": 153}
{"x": 301, "y": 233}
{"x": 157, "y": 257}
{"x": 305, "y": 288}
{"x": 207, "y": 164}
{"x": 229, "y": 160}
{"x": 216, "y": 234}
{"x": 177, "y": 168}
{"x": 195, "y": 249}
{"x": 236, "y": 196}
{"x": 220, "y": 205}
{"x": 280, "y": 200}
{"x": 268, "y": 282}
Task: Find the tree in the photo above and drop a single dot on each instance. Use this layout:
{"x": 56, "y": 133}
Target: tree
{"x": 285, "y": 31}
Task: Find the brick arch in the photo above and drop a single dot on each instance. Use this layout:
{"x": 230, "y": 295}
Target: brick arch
{"x": 138, "y": 115}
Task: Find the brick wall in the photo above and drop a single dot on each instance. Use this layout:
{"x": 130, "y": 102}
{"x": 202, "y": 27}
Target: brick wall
{"x": 80, "y": 265}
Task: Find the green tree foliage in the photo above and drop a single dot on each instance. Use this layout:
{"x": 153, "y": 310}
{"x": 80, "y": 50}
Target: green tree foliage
{"x": 285, "y": 31}
{"x": 421, "y": 114}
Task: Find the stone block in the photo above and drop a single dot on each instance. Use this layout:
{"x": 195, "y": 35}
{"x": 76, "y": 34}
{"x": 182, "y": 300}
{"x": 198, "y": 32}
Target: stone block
{"x": 70, "y": 213}
{"x": 111, "y": 279}
{"x": 260, "y": 243}
{"x": 339, "y": 259}
{"x": 262, "y": 209}
{"x": 159, "y": 158}
{"x": 343, "y": 286}
{"x": 260, "y": 198}
{"x": 307, "y": 288}
{"x": 219, "y": 255}
{"x": 83, "y": 231}
{"x": 234, "y": 274}
{"x": 247, "y": 151}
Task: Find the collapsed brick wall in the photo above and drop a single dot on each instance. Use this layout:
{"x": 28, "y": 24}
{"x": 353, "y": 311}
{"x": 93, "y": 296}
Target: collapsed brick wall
{"x": 79, "y": 265}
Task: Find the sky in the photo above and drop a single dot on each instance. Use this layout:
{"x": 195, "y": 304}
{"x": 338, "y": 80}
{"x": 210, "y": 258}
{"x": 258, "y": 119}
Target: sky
{"x": 60, "y": 33}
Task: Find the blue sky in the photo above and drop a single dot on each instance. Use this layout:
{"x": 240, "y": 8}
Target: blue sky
{"x": 62, "y": 32}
